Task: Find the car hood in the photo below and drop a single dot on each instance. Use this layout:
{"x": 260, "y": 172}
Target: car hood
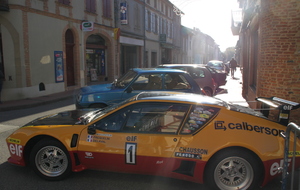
{"x": 97, "y": 88}
{"x": 62, "y": 118}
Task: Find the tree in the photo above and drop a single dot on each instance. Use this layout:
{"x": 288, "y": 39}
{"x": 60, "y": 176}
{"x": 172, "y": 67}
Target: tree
{"x": 229, "y": 53}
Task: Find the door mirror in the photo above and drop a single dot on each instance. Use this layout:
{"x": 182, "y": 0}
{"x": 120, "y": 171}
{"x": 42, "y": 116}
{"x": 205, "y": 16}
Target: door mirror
{"x": 91, "y": 129}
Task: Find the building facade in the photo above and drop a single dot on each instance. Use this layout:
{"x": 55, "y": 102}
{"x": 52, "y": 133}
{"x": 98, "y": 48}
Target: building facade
{"x": 269, "y": 51}
{"x": 52, "y": 46}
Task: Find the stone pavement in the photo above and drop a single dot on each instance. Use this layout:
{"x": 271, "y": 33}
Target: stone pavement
{"x": 231, "y": 92}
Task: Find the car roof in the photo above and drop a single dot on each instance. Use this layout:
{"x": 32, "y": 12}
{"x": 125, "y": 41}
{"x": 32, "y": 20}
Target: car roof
{"x": 157, "y": 70}
{"x": 180, "y": 96}
{"x": 182, "y": 65}
{"x": 216, "y": 61}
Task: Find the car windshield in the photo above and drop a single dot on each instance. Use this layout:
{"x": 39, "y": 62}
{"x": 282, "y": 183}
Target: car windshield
{"x": 124, "y": 80}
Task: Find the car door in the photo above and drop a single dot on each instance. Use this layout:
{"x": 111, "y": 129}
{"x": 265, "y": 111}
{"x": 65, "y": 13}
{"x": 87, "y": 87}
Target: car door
{"x": 140, "y": 138}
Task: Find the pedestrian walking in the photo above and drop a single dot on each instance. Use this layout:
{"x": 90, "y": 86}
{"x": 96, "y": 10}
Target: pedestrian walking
{"x": 232, "y": 65}
{"x": 1, "y": 83}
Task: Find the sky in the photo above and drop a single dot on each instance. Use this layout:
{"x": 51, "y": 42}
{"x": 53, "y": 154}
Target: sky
{"x": 212, "y": 17}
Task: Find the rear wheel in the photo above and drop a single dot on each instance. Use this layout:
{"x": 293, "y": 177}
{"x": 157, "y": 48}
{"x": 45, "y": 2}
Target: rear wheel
{"x": 233, "y": 169}
{"x": 50, "y": 160}
{"x": 208, "y": 91}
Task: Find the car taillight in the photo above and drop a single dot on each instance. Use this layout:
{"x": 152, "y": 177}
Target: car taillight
{"x": 214, "y": 82}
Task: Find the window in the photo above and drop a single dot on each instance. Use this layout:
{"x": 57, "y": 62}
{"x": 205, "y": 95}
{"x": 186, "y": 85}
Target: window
{"x": 155, "y": 118}
{"x": 107, "y": 8}
{"x": 197, "y": 73}
{"x": 153, "y": 59}
{"x": 153, "y": 82}
{"x": 175, "y": 81}
{"x": 113, "y": 122}
{"x": 65, "y": 2}
{"x": 148, "y": 20}
{"x": 90, "y": 6}
{"x": 199, "y": 116}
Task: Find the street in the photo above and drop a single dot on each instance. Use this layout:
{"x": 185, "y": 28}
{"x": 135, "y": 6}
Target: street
{"x": 13, "y": 177}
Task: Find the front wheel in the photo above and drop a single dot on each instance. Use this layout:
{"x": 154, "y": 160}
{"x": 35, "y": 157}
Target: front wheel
{"x": 50, "y": 160}
{"x": 233, "y": 169}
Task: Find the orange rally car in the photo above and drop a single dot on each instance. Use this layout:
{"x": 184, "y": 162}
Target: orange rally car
{"x": 179, "y": 135}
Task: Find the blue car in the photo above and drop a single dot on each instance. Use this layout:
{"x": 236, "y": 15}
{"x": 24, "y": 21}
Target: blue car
{"x": 132, "y": 83}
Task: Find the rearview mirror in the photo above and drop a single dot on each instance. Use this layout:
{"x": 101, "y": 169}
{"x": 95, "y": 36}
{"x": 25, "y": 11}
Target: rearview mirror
{"x": 91, "y": 129}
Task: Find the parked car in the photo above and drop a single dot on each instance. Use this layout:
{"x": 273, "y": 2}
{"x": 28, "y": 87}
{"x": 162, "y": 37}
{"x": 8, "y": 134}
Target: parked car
{"x": 185, "y": 136}
{"x": 133, "y": 82}
{"x": 218, "y": 65}
{"x": 218, "y": 76}
{"x": 201, "y": 75}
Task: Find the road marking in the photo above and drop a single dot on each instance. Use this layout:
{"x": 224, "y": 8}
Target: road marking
{"x": 4, "y": 128}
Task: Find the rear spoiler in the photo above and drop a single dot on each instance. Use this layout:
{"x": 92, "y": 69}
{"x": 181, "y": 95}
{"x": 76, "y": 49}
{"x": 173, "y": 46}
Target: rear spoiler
{"x": 284, "y": 107}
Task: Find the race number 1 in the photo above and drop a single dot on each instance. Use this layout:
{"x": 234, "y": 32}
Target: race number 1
{"x": 130, "y": 153}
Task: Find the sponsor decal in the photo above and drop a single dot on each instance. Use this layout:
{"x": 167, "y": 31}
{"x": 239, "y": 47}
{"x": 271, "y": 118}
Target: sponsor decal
{"x": 193, "y": 150}
{"x": 16, "y": 149}
{"x": 104, "y": 135}
{"x": 98, "y": 139}
{"x": 131, "y": 138}
{"x": 244, "y": 126}
{"x": 160, "y": 162}
{"x": 15, "y": 141}
{"x": 89, "y": 155}
{"x": 275, "y": 167}
{"x": 188, "y": 155}
{"x": 294, "y": 153}
{"x": 187, "y": 152}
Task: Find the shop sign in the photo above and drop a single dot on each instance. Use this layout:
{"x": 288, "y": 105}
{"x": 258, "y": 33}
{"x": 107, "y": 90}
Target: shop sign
{"x": 163, "y": 38}
{"x": 87, "y": 26}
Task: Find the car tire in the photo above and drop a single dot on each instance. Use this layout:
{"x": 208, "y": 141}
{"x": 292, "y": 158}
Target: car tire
{"x": 50, "y": 160}
{"x": 208, "y": 91}
{"x": 233, "y": 169}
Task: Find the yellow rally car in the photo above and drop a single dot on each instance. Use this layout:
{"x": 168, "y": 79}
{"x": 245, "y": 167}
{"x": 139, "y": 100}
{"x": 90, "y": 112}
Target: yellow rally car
{"x": 185, "y": 136}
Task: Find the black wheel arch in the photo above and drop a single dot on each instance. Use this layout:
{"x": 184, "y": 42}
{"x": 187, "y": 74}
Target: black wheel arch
{"x": 31, "y": 143}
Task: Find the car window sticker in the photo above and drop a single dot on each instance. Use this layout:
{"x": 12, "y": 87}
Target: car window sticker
{"x": 199, "y": 116}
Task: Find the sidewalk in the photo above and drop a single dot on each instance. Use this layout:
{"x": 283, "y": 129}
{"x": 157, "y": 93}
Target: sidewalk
{"x": 31, "y": 102}
{"x": 231, "y": 92}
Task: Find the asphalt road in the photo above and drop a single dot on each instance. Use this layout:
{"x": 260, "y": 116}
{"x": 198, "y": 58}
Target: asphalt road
{"x": 15, "y": 178}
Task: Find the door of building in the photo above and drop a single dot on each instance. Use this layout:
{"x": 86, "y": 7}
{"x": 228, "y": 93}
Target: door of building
{"x": 70, "y": 58}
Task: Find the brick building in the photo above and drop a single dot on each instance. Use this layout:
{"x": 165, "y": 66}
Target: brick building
{"x": 269, "y": 51}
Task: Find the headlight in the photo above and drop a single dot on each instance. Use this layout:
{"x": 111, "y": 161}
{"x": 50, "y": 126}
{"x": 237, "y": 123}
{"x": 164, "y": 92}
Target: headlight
{"x": 91, "y": 98}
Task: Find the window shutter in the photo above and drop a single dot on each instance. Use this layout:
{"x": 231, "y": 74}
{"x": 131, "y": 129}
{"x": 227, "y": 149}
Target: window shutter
{"x": 146, "y": 19}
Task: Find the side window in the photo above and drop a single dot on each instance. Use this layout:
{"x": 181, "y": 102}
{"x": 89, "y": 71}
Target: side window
{"x": 199, "y": 116}
{"x": 197, "y": 73}
{"x": 176, "y": 81}
{"x": 154, "y": 82}
{"x": 141, "y": 82}
{"x": 156, "y": 118}
{"x": 113, "y": 122}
